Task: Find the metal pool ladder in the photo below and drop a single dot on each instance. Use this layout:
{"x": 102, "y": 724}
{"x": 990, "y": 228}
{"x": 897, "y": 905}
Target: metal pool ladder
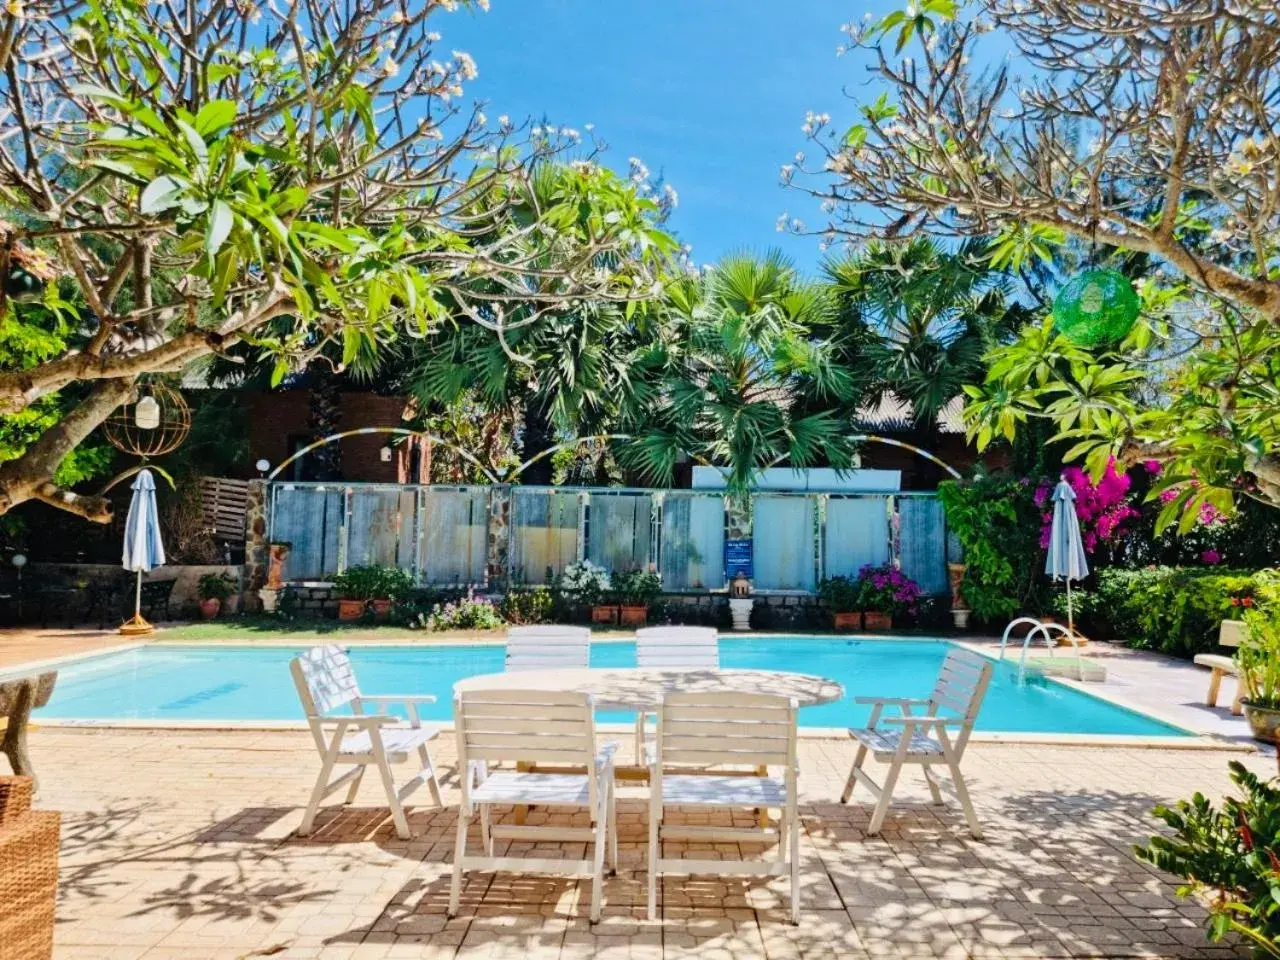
{"x": 1044, "y": 629}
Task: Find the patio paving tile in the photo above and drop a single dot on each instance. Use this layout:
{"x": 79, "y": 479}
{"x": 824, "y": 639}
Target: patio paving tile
{"x": 178, "y": 844}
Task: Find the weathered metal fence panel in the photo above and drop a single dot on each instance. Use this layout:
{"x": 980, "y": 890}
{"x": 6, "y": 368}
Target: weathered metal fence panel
{"x": 619, "y": 530}
{"x": 692, "y": 554}
{"x": 922, "y": 542}
{"x": 383, "y": 527}
{"x": 544, "y": 533}
{"x": 455, "y": 531}
{"x": 311, "y": 519}
{"x": 857, "y": 533}
{"x": 784, "y": 548}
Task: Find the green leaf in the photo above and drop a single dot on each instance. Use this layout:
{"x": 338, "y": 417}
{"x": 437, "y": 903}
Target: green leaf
{"x": 160, "y": 194}
{"x": 214, "y": 116}
{"x": 221, "y": 220}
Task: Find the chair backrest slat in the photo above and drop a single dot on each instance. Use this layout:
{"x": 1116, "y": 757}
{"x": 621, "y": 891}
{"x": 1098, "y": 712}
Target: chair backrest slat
{"x": 325, "y": 680}
{"x": 677, "y": 647}
{"x": 961, "y": 686}
{"x": 548, "y": 647}
{"x": 705, "y": 729}
{"x": 543, "y": 726}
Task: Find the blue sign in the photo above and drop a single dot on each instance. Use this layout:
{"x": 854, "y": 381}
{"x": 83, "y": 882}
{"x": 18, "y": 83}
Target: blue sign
{"x": 737, "y": 558}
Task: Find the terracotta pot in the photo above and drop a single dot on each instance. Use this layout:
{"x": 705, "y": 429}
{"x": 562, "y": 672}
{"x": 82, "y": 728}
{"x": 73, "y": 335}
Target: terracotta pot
{"x": 632, "y": 616}
{"x": 848, "y": 619}
{"x": 277, "y": 553}
{"x": 209, "y": 607}
{"x": 1264, "y": 722}
{"x": 381, "y": 609}
{"x": 876, "y": 620}
{"x": 350, "y": 609}
{"x": 604, "y": 613}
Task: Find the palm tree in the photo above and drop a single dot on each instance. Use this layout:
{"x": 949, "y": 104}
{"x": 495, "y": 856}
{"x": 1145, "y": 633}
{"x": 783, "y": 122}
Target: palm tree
{"x": 921, "y": 319}
{"x": 737, "y": 378}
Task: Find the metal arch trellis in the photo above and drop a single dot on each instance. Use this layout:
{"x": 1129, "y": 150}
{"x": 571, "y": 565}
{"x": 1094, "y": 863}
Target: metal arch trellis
{"x": 393, "y": 431}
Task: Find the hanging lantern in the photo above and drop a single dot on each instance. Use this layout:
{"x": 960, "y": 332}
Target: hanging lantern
{"x": 152, "y": 426}
{"x": 1097, "y": 307}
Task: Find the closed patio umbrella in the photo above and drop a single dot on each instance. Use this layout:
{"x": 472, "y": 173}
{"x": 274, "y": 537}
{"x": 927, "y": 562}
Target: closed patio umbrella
{"x": 143, "y": 548}
{"x": 1066, "y": 559}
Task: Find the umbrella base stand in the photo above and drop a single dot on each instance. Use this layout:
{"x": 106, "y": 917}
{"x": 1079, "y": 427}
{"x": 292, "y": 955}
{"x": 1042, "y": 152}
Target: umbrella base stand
{"x": 136, "y": 627}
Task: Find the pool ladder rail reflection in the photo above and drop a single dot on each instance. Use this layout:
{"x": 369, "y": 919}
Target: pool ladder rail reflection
{"x": 1044, "y": 629}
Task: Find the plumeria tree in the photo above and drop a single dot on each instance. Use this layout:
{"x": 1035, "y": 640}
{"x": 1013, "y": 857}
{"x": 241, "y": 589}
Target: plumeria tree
{"x": 1147, "y": 127}
{"x": 303, "y": 176}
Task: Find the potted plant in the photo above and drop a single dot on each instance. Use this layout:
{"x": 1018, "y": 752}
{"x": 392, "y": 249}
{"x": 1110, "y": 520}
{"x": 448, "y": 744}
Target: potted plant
{"x": 394, "y": 585}
{"x": 1258, "y": 662}
{"x": 635, "y": 590}
{"x": 213, "y": 589}
{"x": 885, "y": 592}
{"x": 843, "y": 596}
{"x": 356, "y": 586}
{"x": 585, "y": 584}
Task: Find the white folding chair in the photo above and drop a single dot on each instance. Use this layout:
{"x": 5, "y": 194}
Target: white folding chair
{"x": 699, "y": 730}
{"x": 548, "y": 647}
{"x": 673, "y": 648}
{"x": 326, "y": 683}
{"x": 533, "y": 726}
{"x": 922, "y": 738}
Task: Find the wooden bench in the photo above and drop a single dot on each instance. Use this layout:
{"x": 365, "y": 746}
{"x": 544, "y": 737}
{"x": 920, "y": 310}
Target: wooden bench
{"x": 1230, "y": 634}
{"x": 18, "y": 697}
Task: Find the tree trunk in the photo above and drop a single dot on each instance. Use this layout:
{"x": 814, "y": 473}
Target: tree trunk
{"x": 539, "y": 435}
{"x": 325, "y": 405}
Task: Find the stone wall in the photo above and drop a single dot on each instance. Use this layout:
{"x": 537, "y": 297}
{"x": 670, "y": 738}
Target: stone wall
{"x": 184, "y": 602}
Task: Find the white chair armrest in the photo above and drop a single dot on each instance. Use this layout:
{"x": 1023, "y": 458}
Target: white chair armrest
{"x": 398, "y": 698}
{"x": 364, "y": 721}
{"x": 894, "y": 701}
{"x": 934, "y": 721}
{"x": 604, "y": 756}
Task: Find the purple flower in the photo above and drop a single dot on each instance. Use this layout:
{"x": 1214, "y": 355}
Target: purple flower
{"x": 1211, "y": 557}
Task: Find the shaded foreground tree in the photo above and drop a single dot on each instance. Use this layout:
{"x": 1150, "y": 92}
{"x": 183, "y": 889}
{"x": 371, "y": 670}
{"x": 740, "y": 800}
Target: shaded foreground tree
{"x": 1149, "y": 127}
{"x": 186, "y": 176}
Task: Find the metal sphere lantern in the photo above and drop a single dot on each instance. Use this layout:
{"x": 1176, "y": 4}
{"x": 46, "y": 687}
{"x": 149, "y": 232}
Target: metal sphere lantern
{"x": 153, "y": 425}
{"x": 1097, "y": 307}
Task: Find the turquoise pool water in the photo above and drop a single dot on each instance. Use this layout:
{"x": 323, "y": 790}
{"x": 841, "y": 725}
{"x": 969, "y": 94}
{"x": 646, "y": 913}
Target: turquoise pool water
{"x": 253, "y": 683}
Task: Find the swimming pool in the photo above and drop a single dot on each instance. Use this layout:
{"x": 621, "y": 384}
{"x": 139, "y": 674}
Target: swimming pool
{"x": 199, "y": 683}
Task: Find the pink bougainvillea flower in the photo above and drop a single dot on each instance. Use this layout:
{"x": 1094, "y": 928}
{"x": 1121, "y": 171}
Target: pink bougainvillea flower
{"x": 1211, "y": 557}
{"x": 1152, "y": 466}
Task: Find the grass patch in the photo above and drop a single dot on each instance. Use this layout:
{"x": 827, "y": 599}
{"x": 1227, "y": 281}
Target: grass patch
{"x": 251, "y": 629}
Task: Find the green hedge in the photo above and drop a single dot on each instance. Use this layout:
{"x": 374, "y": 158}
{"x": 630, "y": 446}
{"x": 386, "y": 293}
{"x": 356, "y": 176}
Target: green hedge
{"x": 1171, "y": 609}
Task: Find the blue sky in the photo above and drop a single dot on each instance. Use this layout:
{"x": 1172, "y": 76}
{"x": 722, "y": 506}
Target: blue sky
{"x": 711, "y": 94}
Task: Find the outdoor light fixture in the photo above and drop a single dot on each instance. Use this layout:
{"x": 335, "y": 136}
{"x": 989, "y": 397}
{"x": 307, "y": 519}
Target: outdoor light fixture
{"x": 385, "y": 454}
{"x": 147, "y": 413}
{"x": 263, "y": 465}
{"x": 19, "y": 560}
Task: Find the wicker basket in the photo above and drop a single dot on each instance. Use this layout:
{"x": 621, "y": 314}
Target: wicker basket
{"x": 15, "y": 798}
{"x": 28, "y": 873}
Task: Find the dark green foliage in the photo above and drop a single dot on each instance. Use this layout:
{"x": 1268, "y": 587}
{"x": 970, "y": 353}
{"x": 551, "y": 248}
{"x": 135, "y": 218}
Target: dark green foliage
{"x": 1229, "y": 857}
{"x": 1170, "y": 609}
{"x": 637, "y": 588}
{"x": 841, "y": 594}
{"x": 998, "y": 524}
{"x": 533, "y": 605}
{"x": 373, "y": 582}
{"x": 216, "y": 586}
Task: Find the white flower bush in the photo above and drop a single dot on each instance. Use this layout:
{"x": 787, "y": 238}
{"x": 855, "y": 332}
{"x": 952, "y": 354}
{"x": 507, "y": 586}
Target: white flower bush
{"x": 584, "y": 582}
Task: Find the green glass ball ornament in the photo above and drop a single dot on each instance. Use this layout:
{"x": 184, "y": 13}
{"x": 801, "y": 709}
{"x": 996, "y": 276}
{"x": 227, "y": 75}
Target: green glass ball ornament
{"x": 1097, "y": 307}
{"x": 23, "y": 285}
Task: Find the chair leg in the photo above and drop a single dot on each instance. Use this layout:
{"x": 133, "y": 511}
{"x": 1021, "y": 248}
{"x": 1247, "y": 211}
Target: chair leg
{"x": 933, "y": 784}
{"x": 389, "y": 784}
{"x": 317, "y": 795}
{"x": 1215, "y": 684}
{"x": 597, "y": 864}
{"x": 886, "y": 795}
{"x": 613, "y": 828}
{"x": 355, "y": 786}
{"x": 962, "y": 794}
{"x": 432, "y": 783}
{"x": 655, "y": 815}
{"x": 486, "y": 830}
{"x": 459, "y": 851}
{"x": 793, "y": 828}
{"x": 849, "y": 784}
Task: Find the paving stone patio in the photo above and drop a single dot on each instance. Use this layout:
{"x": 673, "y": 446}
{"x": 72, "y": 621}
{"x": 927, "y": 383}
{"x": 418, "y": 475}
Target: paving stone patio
{"x": 177, "y": 844}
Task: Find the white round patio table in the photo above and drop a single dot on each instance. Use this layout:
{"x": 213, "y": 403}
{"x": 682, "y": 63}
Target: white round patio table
{"x": 631, "y": 688}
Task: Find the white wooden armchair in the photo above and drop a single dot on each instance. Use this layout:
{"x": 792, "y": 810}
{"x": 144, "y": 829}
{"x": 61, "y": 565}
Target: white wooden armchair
{"x": 547, "y": 647}
{"x": 326, "y": 683}
{"x": 922, "y": 738}
{"x": 533, "y": 726}
{"x": 701, "y": 730}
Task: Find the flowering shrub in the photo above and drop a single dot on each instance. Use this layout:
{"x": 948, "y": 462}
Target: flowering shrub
{"x": 465, "y": 613}
{"x": 583, "y": 582}
{"x": 888, "y": 590}
{"x": 1102, "y": 508}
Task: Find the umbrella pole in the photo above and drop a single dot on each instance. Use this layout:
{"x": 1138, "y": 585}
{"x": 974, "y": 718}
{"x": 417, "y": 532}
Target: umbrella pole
{"x": 1071, "y": 626}
{"x": 137, "y": 599}
{"x": 137, "y": 626}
